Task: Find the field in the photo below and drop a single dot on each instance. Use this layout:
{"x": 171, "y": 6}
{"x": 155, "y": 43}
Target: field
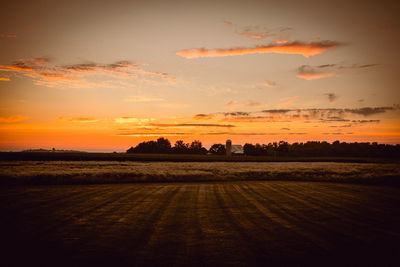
{"x": 135, "y": 213}
{"x": 85, "y": 172}
{"x": 83, "y": 156}
{"x": 215, "y": 223}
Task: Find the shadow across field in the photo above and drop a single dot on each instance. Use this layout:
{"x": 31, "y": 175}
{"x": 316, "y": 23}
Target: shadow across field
{"x": 83, "y": 156}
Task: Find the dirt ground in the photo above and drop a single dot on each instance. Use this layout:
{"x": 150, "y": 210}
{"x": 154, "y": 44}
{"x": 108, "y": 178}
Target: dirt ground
{"x": 197, "y": 224}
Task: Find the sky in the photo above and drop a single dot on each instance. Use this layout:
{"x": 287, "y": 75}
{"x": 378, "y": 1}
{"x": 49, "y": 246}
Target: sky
{"x": 106, "y": 75}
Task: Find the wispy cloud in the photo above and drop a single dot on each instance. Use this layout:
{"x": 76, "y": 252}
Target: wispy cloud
{"x": 203, "y": 116}
{"x": 2, "y": 35}
{"x": 44, "y": 72}
{"x": 79, "y": 119}
{"x": 295, "y": 48}
{"x": 132, "y": 120}
{"x": 308, "y": 72}
{"x": 252, "y": 133}
{"x": 315, "y": 115}
{"x": 332, "y": 113}
{"x": 260, "y": 32}
{"x": 366, "y": 121}
{"x": 143, "y": 99}
{"x": 288, "y": 101}
{"x": 249, "y": 104}
{"x": 11, "y": 119}
{"x": 140, "y": 134}
{"x": 270, "y": 84}
{"x": 165, "y": 125}
{"x": 235, "y": 114}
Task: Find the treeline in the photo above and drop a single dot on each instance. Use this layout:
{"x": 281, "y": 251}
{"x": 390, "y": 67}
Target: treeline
{"x": 321, "y": 149}
{"x": 282, "y": 148}
{"x": 163, "y": 146}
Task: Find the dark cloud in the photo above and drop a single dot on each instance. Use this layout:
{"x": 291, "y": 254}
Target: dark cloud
{"x": 334, "y": 119}
{"x": 257, "y": 31}
{"x": 43, "y": 72}
{"x": 279, "y": 111}
{"x": 332, "y": 113}
{"x": 260, "y": 32}
{"x": 266, "y": 134}
{"x": 341, "y": 126}
{"x": 203, "y": 116}
{"x": 139, "y": 134}
{"x": 326, "y": 66}
{"x": 369, "y": 111}
{"x": 367, "y": 66}
{"x": 234, "y": 114}
{"x": 250, "y": 104}
{"x": 331, "y": 97}
{"x": 319, "y": 115}
{"x": 308, "y": 72}
{"x": 366, "y": 121}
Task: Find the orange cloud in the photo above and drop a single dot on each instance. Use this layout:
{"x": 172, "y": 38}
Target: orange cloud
{"x": 12, "y": 119}
{"x": 269, "y": 84}
{"x": 308, "y": 72}
{"x": 296, "y": 48}
{"x": 143, "y": 99}
{"x": 203, "y": 116}
{"x": 58, "y": 76}
{"x": 79, "y": 119}
{"x": 250, "y": 104}
{"x": 8, "y": 35}
{"x": 4, "y": 79}
{"x": 133, "y": 120}
{"x": 84, "y": 120}
{"x": 81, "y": 75}
{"x": 252, "y": 35}
{"x": 315, "y": 76}
{"x": 287, "y": 102}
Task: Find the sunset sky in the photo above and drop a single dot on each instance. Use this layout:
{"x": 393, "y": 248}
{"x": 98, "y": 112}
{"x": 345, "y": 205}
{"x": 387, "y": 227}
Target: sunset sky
{"x": 106, "y": 75}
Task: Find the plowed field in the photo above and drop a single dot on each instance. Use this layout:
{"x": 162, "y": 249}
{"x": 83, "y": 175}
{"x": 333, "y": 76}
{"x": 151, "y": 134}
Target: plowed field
{"x": 215, "y": 223}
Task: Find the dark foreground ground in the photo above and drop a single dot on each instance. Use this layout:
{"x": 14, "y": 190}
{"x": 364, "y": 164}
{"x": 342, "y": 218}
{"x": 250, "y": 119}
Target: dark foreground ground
{"x": 227, "y": 223}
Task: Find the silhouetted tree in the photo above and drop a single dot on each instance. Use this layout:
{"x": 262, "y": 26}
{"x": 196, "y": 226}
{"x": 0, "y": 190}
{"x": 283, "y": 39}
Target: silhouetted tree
{"x": 163, "y": 145}
{"x": 180, "y": 147}
{"x": 196, "y": 147}
{"x": 217, "y": 149}
{"x": 282, "y": 148}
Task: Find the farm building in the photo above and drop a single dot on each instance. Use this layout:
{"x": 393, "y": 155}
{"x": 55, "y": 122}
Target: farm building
{"x": 233, "y": 149}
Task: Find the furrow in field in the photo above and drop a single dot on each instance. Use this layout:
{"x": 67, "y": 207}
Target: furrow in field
{"x": 177, "y": 232}
{"x": 356, "y": 216}
{"x": 271, "y": 206}
{"x": 312, "y": 216}
{"x": 116, "y": 231}
{"x": 141, "y": 222}
{"x": 77, "y": 208}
